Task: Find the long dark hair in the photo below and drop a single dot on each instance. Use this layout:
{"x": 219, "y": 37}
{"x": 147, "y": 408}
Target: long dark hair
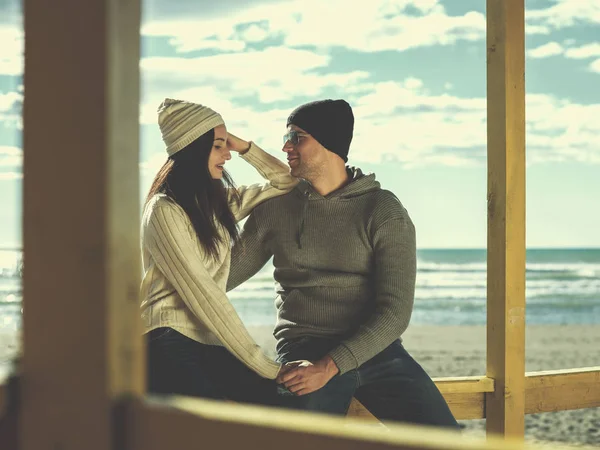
{"x": 186, "y": 179}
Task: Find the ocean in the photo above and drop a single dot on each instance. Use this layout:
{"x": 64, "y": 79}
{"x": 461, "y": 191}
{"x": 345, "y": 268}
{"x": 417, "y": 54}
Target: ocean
{"x": 562, "y": 287}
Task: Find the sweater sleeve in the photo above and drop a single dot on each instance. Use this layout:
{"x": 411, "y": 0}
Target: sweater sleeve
{"x": 395, "y": 274}
{"x": 170, "y": 243}
{"x": 280, "y": 182}
{"x": 249, "y": 255}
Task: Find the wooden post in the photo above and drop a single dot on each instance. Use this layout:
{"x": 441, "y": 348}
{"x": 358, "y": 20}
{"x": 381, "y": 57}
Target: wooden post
{"x": 506, "y": 216}
{"x": 82, "y": 343}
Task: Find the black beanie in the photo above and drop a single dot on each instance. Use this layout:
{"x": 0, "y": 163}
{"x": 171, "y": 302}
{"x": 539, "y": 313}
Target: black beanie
{"x": 330, "y": 122}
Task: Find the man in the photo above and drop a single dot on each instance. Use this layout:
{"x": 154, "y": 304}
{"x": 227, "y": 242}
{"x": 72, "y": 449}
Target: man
{"x": 345, "y": 266}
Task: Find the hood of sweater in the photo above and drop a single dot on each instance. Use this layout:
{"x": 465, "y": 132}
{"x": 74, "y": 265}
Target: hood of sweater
{"x": 358, "y": 184}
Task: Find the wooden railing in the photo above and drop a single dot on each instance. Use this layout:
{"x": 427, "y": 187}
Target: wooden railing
{"x": 171, "y": 424}
{"x": 546, "y": 391}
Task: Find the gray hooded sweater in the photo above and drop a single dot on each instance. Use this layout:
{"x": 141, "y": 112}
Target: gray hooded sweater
{"x": 345, "y": 265}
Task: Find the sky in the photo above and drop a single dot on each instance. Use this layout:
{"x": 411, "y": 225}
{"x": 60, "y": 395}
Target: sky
{"x": 414, "y": 73}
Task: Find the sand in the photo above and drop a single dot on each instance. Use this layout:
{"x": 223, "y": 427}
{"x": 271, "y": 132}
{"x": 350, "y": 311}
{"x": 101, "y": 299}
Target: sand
{"x": 460, "y": 351}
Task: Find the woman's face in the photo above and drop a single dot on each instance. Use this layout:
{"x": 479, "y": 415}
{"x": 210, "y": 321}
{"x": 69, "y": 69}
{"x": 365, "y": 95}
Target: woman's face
{"x": 219, "y": 153}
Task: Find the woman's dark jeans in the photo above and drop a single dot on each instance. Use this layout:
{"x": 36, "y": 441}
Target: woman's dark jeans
{"x": 181, "y": 366}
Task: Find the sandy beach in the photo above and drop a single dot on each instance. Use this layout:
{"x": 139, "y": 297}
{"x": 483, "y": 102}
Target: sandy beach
{"x": 446, "y": 351}
{"x": 460, "y": 351}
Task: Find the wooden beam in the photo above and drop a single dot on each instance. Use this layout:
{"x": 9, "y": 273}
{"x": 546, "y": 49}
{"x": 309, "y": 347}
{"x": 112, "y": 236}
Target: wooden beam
{"x": 467, "y": 406}
{"x": 465, "y": 395}
{"x": 8, "y": 414}
{"x": 358, "y": 411}
{"x": 82, "y": 342}
{"x": 464, "y": 385}
{"x": 185, "y": 423}
{"x": 9, "y": 432}
{"x": 505, "y": 407}
{"x": 562, "y": 390}
{"x": 3, "y": 399}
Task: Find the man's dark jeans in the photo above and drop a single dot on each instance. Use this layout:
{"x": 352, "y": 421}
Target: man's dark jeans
{"x": 391, "y": 385}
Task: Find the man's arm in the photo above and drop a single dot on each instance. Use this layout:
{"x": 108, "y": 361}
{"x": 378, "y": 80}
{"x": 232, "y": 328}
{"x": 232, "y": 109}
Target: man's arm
{"x": 394, "y": 247}
{"x": 249, "y": 255}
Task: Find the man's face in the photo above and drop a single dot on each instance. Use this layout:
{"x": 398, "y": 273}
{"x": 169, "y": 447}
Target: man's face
{"x": 306, "y": 157}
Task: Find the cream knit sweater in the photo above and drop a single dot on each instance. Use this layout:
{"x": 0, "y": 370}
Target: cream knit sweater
{"x": 183, "y": 288}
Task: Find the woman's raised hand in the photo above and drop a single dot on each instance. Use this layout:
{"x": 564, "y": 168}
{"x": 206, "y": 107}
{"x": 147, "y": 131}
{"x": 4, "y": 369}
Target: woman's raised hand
{"x": 235, "y": 144}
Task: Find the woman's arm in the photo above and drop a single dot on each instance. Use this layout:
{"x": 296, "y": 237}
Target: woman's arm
{"x": 169, "y": 240}
{"x": 280, "y": 181}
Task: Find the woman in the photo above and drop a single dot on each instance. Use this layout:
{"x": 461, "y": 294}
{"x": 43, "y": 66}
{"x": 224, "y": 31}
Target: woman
{"x": 197, "y": 343}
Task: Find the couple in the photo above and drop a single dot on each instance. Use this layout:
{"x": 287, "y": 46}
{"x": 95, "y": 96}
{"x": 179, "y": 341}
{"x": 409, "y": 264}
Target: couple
{"x": 345, "y": 266}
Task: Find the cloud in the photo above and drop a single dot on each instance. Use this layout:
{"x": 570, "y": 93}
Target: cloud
{"x": 400, "y": 121}
{"x": 9, "y": 176}
{"x": 379, "y": 25}
{"x": 417, "y": 129}
{"x": 160, "y": 10}
{"x": 395, "y": 120}
{"x": 564, "y": 14}
{"x": 536, "y": 29}
{"x": 11, "y": 104}
{"x": 276, "y": 74}
{"x": 561, "y": 130}
{"x": 372, "y": 26}
{"x": 10, "y": 157}
{"x": 546, "y": 50}
{"x": 217, "y": 25}
{"x": 590, "y": 50}
{"x": 11, "y": 50}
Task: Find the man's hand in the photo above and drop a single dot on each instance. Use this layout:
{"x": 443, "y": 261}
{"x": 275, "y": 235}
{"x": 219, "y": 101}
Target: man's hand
{"x": 235, "y": 144}
{"x": 304, "y": 377}
{"x": 283, "y": 369}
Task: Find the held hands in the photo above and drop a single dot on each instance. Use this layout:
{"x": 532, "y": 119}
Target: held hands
{"x": 304, "y": 377}
{"x": 235, "y": 144}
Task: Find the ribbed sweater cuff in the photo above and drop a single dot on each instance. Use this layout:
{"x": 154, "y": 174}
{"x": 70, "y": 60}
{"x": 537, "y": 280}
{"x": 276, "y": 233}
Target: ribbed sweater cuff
{"x": 270, "y": 370}
{"x": 343, "y": 358}
{"x": 251, "y": 155}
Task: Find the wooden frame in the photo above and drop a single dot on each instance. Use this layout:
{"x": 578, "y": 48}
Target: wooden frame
{"x": 82, "y": 350}
{"x": 83, "y": 365}
{"x": 506, "y": 216}
{"x": 229, "y": 426}
{"x": 3, "y": 399}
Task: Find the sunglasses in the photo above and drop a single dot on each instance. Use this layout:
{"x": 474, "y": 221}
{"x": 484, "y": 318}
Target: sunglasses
{"x": 293, "y": 137}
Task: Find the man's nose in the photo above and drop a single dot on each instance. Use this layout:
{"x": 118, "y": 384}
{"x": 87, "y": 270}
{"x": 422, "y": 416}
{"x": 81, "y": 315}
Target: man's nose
{"x": 287, "y": 147}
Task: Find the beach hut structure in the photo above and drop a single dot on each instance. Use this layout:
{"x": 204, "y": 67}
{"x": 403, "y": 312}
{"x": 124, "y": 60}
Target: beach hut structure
{"x": 80, "y": 382}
